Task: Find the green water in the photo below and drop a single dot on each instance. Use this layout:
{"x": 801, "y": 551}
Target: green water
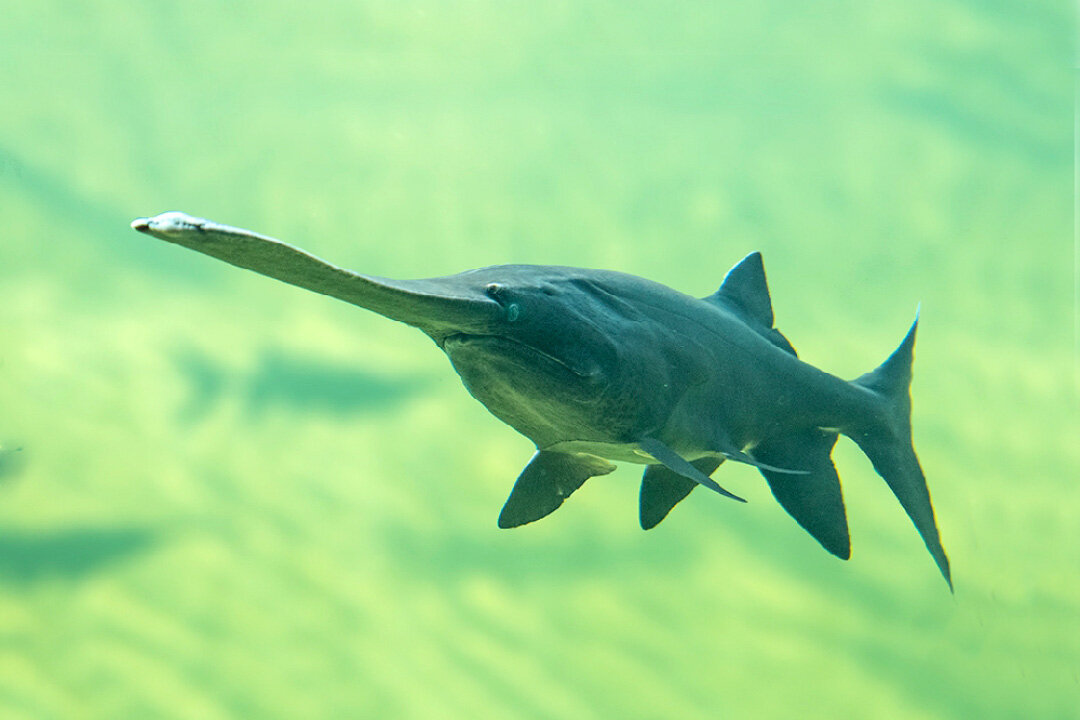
{"x": 221, "y": 497}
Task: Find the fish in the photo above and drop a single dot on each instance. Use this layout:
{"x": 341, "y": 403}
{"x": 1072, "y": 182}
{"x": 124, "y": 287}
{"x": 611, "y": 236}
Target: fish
{"x": 10, "y": 461}
{"x": 282, "y": 379}
{"x": 597, "y": 367}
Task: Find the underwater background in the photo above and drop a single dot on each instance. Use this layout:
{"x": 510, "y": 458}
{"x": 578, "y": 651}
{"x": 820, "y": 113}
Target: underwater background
{"x": 224, "y": 497}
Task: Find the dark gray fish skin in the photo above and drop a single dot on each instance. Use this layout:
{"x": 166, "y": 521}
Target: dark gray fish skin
{"x": 596, "y": 366}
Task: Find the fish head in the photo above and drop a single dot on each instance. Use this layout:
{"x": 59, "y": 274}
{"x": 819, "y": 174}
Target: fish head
{"x": 559, "y": 363}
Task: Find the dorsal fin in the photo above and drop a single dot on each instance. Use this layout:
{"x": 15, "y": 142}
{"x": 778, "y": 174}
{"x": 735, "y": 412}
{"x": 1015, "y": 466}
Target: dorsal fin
{"x": 746, "y": 292}
{"x": 745, "y": 289}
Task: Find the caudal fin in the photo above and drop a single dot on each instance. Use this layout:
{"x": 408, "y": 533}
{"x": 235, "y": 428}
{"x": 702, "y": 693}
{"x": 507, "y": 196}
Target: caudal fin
{"x": 887, "y": 442}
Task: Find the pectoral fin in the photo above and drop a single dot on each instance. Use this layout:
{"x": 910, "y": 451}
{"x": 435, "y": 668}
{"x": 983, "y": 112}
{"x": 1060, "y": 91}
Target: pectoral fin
{"x": 548, "y": 479}
{"x": 815, "y": 499}
{"x": 674, "y": 462}
{"x": 662, "y": 489}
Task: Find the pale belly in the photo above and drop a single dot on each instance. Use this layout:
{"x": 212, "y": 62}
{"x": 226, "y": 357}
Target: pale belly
{"x": 617, "y": 452}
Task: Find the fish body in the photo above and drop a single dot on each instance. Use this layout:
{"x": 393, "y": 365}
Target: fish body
{"x": 597, "y": 367}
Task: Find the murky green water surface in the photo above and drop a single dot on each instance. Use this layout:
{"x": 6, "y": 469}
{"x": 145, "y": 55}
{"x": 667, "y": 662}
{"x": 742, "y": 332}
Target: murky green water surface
{"x": 221, "y": 497}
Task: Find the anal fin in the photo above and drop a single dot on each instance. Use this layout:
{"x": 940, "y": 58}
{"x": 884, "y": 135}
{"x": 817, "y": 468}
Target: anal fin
{"x": 548, "y": 479}
{"x": 814, "y": 499}
{"x": 662, "y": 489}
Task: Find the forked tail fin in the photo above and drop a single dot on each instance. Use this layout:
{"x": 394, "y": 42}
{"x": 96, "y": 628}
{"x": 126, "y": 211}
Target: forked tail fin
{"x": 888, "y": 445}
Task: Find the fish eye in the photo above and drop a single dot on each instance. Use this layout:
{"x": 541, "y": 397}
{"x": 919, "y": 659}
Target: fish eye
{"x": 497, "y": 292}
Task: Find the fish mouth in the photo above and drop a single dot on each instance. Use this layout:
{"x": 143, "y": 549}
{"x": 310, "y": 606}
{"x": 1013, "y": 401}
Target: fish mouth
{"x": 504, "y": 345}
